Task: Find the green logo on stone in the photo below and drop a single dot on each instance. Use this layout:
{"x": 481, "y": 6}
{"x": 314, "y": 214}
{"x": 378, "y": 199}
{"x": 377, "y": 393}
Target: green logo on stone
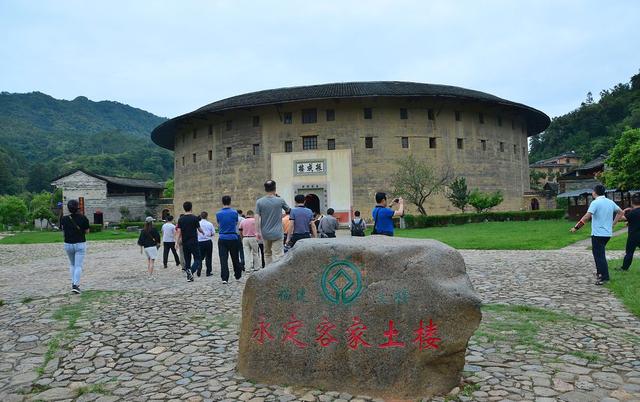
{"x": 341, "y": 282}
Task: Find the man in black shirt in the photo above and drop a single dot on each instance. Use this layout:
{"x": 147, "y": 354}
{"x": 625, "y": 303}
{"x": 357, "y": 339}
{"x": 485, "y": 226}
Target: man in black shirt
{"x": 187, "y": 238}
{"x": 632, "y": 216}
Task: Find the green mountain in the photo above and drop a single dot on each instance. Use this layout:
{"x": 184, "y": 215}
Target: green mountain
{"x": 594, "y": 127}
{"x": 42, "y": 137}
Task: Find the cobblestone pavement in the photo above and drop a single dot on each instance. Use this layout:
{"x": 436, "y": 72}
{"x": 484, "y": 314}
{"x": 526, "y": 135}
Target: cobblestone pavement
{"x": 137, "y": 339}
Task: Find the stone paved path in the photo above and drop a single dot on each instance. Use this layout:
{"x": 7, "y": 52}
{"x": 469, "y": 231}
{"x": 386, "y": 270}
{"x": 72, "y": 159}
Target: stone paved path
{"x": 166, "y": 339}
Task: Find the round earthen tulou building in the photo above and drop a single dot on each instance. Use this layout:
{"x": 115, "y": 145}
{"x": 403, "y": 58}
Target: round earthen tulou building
{"x": 341, "y": 142}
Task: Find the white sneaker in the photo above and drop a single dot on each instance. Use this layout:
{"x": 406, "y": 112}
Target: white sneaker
{"x": 225, "y": 282}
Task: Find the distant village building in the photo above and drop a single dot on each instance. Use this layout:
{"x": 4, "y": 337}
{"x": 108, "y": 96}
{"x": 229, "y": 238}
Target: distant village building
{"x": 556, "y": 166}
{"x": 339, "y": 144}
{"x": 103, "y": 196}
{"x": 577, "y": 185}
{"x": 545, "y": 198}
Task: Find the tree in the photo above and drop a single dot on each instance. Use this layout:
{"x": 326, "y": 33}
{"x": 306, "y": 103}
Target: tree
{"x": 459, "y": 193}
{"x": 534, "y": 178}
{"x": 168, "y": 191}
{"x": 589, "y": 100}
{"x": 13, "y": 210}
{"x": 416, "y": 181}
{"x": 40, "y": 207}
{"x": 483, "y": 202}
{"x": 38, "y": 178}
{"x": 621, "y": 170}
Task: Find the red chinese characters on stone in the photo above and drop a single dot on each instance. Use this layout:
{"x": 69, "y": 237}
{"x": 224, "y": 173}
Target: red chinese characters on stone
{"x": 261, "y": 332}
{"x": 355, "y": 334}
{"x": 291, "y": 330}
{"x": 427, "y": 336}
{"x": 325, "y": 338}
{"x": 391, "y": 335}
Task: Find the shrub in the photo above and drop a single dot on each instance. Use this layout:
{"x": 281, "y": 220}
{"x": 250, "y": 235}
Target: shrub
{"x": 125, "y": 214}
{"x": 425, "y": 221}
{"x": 13, "y": 210}
{"x": 458, "y": 193}
{"x": 483, "y": 202}
{"x": 95, "y": 228}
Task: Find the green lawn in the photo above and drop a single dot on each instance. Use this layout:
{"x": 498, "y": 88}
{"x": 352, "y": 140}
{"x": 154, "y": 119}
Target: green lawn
{"x": 618, "y": 242}
{"x": 56, "y": 237}
{"x": 529, "y": 235}
{"x": 626, "y": 285}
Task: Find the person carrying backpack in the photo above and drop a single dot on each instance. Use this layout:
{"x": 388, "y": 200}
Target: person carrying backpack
{"x": 358, "y": 225}
{"x": 75, "y": 226}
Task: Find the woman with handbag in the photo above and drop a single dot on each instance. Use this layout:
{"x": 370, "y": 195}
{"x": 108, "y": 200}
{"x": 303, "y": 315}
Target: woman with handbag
{"x": 149, "y": 242}
{"x": 75, "y": 226}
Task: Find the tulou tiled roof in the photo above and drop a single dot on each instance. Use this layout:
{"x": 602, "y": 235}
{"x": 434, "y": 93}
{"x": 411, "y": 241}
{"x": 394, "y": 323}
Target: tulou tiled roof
{"x": 130, "y": 182}
{"x": 119, "y": 181}
{"x": 164, "y": 134}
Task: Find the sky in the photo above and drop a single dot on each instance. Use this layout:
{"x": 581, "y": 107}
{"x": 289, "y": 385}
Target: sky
{"x": 171, "y": 57}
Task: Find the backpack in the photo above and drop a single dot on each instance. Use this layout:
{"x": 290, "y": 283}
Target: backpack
{"x": 357, "y": 229}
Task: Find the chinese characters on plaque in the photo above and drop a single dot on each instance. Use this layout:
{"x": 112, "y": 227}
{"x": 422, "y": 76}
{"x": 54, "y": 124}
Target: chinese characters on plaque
{"x": 311, "y": 167}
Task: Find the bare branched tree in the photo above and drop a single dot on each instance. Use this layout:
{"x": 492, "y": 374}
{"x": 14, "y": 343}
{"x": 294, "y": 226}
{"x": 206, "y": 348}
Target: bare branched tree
{"x": 415, "y": 181}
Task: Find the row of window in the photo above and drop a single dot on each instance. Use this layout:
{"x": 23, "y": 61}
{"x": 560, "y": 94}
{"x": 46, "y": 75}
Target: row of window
{"x": 310, "y": 116}
{"x": 311, "y": 143}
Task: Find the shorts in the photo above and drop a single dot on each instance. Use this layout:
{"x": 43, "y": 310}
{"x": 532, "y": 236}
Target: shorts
{"x": 151, "y": 252}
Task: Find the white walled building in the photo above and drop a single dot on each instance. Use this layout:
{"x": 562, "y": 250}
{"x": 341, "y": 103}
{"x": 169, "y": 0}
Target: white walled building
{"x": 107, "y": 194}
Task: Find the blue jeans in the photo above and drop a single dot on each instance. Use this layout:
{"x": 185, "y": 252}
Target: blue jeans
{"x": 75, "y": 252}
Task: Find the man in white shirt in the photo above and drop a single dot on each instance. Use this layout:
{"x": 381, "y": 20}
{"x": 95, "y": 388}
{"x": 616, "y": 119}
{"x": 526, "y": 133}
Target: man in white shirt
{"x": 205, "y": 243}
{"x": 169, "y": 241}
{"x": 604, "y": 214}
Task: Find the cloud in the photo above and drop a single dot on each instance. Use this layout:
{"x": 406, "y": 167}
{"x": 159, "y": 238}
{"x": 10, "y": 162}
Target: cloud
{"x": 172, "y": 57}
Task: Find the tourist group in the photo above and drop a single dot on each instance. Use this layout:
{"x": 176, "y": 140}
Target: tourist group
{"x": 250, "y": 240}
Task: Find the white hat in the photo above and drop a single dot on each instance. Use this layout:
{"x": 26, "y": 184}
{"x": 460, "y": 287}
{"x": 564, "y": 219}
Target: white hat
{"x": 149, "y": 219}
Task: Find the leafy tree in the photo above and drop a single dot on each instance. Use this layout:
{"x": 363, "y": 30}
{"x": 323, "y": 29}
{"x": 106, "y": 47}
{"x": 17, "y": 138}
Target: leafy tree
{"x": 40, "y": 200}
{"x": 483, "y": 202}
{"x": 534, "y": 178}
{"x": 459, "y": 193}
{"x": 594, "y": 127}
{"x": 416, "y": 181}
{"x": 623, "y": 162}
{"x": 9, "y": 174}
{"x": 38, "y": 178}
{"x": 168, "y": 191}
{"x": 40, "y": 207}
{"x": 13, "y": 210}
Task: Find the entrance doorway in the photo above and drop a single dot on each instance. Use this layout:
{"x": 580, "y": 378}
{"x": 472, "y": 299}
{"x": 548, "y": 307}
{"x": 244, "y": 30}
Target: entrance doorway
{"x": 314, "y": 199}
{"x": 535, "y": 204}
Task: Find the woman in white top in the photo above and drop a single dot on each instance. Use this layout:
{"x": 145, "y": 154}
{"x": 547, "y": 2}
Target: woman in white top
{"x": 169, "y": 241}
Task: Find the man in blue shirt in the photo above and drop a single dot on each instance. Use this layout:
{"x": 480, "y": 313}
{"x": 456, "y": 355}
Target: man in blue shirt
{"x": 301, "y": 224}
{"x": 383, "y": 215}
{"x": 228, "y": 240}
{"x": 602, "y": 211}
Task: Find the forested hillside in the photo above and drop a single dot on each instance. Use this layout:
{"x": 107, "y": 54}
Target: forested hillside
{"x": 42, "y": 137}
{"x": 594, "y": 127}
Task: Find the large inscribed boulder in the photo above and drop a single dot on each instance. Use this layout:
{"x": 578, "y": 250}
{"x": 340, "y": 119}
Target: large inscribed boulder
{"x": 380, "y": 316}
